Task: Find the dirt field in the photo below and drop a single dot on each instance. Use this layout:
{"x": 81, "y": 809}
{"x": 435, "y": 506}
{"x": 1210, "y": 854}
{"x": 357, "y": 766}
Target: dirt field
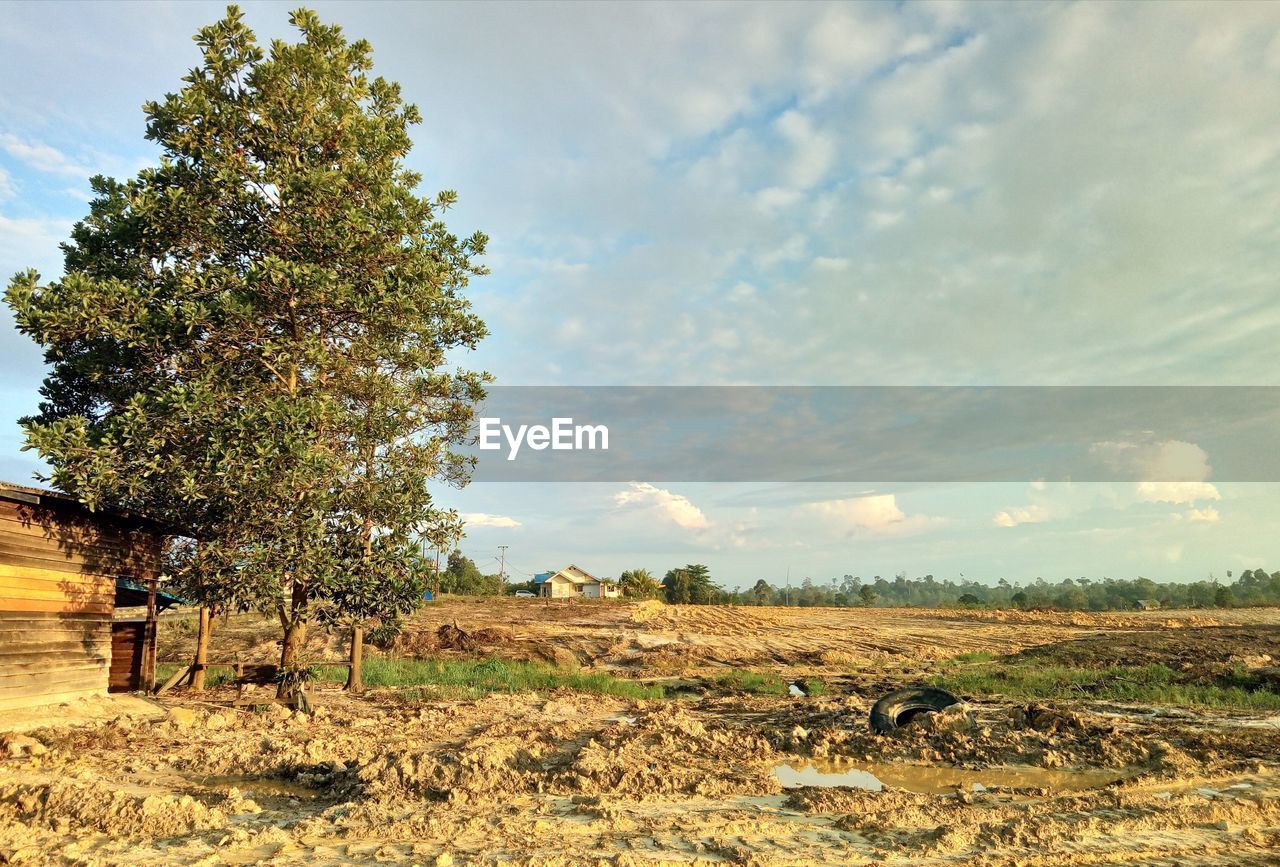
{"x": 579, "y": 778}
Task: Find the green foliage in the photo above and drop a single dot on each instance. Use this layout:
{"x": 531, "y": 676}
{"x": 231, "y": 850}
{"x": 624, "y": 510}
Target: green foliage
{"x": 1155, "y": 684}
{"x": 753, "y": 682}
{"x": 215, "y": 675}
{"x": 474, "y": 678}
{"x": 639, "y": 584}
{"x": 814, "y": 686}
{"x": 691, "y": 586}
{"x": 250, "y": 341}
{"x": 1253, "y": 587}
{"x": 464, "y": 578}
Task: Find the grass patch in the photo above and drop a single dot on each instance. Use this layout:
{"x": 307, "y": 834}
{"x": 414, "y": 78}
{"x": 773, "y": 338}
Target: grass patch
{"x": 752, "y": 682}
{"x": 214, "y": 675}
{"x": 969, "y": 658}
{"x": 466, "y": 678}
{"x": 814, "y": 686}
{"x": 1151, "y": 684}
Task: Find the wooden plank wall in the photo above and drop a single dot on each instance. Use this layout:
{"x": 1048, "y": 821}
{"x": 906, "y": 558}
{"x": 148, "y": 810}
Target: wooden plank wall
{"x": 128, "y": 646}
{"x": 57, "y": 589}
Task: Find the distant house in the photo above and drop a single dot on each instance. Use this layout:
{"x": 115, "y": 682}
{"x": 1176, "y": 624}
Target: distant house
{"x": 571, "y": 582}
{"x": 1148, "y": 604}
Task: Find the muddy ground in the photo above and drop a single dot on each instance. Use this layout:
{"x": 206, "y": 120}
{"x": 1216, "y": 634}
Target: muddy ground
{"x": 578, "y": 778}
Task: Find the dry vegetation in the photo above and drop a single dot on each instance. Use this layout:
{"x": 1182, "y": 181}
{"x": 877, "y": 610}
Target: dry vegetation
{"x": 525, "y": 743}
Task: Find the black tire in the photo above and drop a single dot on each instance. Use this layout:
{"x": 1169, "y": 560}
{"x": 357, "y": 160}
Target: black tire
{"x": 903, "y": 705}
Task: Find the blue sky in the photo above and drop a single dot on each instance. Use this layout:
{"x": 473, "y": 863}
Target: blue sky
{"x": 1083, "y": 194}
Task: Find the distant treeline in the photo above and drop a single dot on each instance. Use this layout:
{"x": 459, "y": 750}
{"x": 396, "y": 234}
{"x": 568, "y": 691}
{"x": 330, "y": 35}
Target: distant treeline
{"x": 1251, "y": 587}
{"x": 693, "y": 584}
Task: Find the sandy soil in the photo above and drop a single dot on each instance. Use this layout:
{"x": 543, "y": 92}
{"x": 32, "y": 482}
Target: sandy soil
{"x": 572, "y": 778}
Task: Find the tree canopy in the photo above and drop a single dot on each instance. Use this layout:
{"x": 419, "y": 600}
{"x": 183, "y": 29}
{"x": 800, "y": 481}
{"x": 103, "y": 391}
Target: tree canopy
{"x": 251, "y": 340}
{"x": 691, "y": 585}
{"x": 639, "y": 584}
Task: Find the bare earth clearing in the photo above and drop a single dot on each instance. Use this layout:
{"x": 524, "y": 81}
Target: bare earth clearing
{"x": 579, "y": 778}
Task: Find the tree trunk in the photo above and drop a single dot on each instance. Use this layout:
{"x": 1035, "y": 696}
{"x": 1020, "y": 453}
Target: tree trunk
{"x": 149, "y": 645}
{"x": 202, "y": 648}
{"x": 295, "y": 638}
{"x": 355, "y": 679}
{"x": 355, "y": 682}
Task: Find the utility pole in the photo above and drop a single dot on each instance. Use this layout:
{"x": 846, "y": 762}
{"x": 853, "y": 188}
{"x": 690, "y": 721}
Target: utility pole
{"x": 502, "y": 564}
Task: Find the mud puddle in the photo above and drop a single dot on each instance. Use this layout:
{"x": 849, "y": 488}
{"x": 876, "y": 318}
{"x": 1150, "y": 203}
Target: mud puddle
{"x": 938, "y": 780}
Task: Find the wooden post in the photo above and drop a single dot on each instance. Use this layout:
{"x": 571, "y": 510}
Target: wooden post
{"x": 149, "y": 649}
{"x": 202, "y": 648}
{"x": 173, "y": 679}
{"x": 355, "y": 680}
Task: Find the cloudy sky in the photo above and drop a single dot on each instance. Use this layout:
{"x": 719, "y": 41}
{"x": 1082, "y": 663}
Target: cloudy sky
{"x": 797, "y": 194}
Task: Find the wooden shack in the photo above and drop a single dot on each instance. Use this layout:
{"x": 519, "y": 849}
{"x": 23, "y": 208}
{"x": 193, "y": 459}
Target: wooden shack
{"x": 59, "y": 569}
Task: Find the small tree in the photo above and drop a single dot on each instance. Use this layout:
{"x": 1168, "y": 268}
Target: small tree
{"x": 386, "y": 583}
{"x": 639, "y": 584}
{"x": 866, "y": 595}
{"x": 464, "y": 578}
{"x": 1222, "y": 597}
{"x": 690, "y": 585}
{"x": 442, "y": 535}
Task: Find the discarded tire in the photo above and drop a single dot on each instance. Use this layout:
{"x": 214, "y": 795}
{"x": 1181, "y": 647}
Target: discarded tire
{"x": 903, "y": 705}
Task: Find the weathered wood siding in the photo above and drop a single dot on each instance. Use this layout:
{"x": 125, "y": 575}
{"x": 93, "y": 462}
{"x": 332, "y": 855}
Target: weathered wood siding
{"x": 128, "y": 648}
{"x": 58, "y": 567}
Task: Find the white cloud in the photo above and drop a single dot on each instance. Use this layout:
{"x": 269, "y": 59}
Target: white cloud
{"x": 1033, "y": 514}
{"x": 675, "y": 508}
{"x": 812, "y": 152}
{"x": 1176, "y": 492}
{"x": 43, "y": 157}
{"x": 791, "y": 250}
{"x": 884, "y": 219}
{"x": 6, "y": 185}
{"x": 27, "y": 242}
{"x": 571, "y": 329}
{"x": 847, "y": 43}
{"x": 831, "y": 263}
{"x": 1155, "y": 460}
{"x": 876, "y": 515}
{"x": 483, "y": 519}
{"x": 773, "y": 199}
{"x": 1207, "y": 515}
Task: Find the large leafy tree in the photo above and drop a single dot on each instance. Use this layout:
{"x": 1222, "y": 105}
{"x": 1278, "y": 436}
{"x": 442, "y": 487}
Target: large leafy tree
{"x": 251, "y": 337}
{"x": 464, "y": 578}
{"x": 691, "y": 585}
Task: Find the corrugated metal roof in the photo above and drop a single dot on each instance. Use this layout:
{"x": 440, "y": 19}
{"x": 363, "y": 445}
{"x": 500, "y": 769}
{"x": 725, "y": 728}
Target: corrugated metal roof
{"x": 33, "y": 495}
{"x": 42, "y": 496}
